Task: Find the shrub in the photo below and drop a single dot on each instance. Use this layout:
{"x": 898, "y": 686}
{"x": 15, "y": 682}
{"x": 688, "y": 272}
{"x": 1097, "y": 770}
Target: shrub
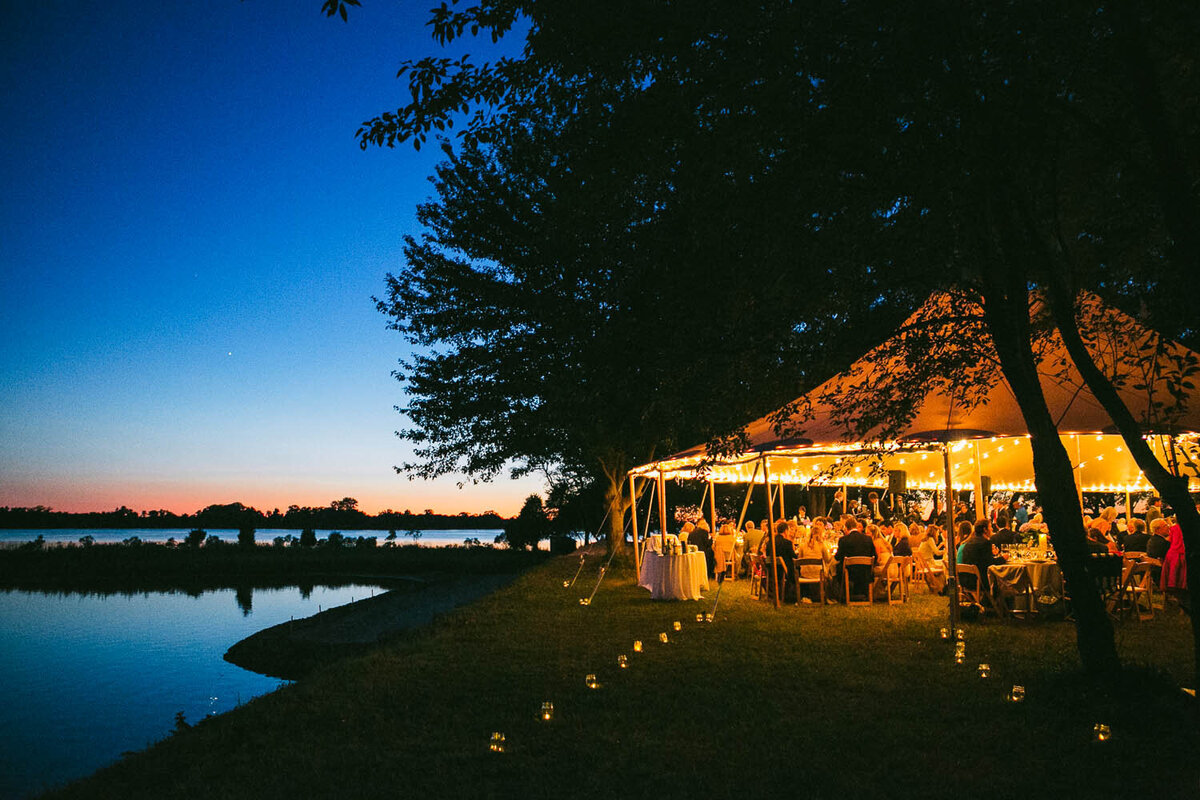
{"x": 132, "y": 541}
{"x": 212, "y": 540}
{"x": 335, "y": 539}
{"x": 308, "y": 538}
{"x": 246, "y": 537}
{"x": 195, "y": 537}
{"x": 87, "y": 540}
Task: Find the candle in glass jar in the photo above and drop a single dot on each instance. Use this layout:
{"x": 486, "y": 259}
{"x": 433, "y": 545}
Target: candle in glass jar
{"x": 547, "y": 711}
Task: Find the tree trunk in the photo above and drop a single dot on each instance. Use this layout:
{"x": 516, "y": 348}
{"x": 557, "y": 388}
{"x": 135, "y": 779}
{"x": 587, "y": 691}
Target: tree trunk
{"x": 1174, "y": 489}
{"x": 616, "y": 502}
{"x": 1007, "y": 315}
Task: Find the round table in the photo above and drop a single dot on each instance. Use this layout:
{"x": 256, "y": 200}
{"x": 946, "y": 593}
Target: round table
{"x": 674, "y": 577}
{"x": 1032, "y": 579}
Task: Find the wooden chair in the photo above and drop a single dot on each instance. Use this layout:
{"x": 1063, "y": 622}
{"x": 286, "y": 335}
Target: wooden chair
{"x": 1137, "y": 581}
{"x": 895, "y": 573}
{"x": 1107, "y": 571}
{"x": 934, "y": 576}
{"x": 979, "y": 595}
{"x": 730, "y": 566}
{"x": 819, "y": 581}
{"x": 758, "y": 577}
{"x": 858, "y": 561}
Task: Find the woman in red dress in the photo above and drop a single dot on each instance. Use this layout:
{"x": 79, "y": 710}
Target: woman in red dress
{"x": 1174, "y": 570}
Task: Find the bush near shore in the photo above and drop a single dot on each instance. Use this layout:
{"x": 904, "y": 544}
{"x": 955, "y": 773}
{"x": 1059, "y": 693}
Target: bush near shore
{"x": 153, "y": 567}
{"x": 810, "y": 701}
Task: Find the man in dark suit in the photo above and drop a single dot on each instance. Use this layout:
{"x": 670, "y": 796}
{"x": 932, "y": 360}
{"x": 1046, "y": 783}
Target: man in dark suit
{"x": 855, "y": 543}
{"x": 1136, "y": 539}
{"x": 1005, "y": 536}
{"x": 839, "y": 505}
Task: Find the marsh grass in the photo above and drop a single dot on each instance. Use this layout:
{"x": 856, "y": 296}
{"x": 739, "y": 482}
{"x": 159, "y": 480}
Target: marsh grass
{"x": 809, "y": 702}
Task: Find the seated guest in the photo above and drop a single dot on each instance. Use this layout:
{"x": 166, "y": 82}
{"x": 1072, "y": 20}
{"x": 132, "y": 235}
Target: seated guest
{"x": 723, "y": 546}
{"x": 1034, "y": 525}
{"x": 1158, "y": 543}
{"x": 883, "y": 550}
{"x": 964, "y": 532}
{"x": 932, "y": 547}
{"x": 783, "y": 549}
{"x": 686, "y": 531}
{"x": 1136, "y": 539}
{"x": 855, "y": 543}
{"x": 901, "y": 543}
{"x": 977, "y": 550}
{"x": 814, "y": 547}
{"x": 1005, "y": 535}
{"x": 1097, "y": 540}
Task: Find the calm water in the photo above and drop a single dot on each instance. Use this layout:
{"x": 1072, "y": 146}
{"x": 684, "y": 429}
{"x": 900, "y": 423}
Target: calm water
{"x": 87, "y": 677}
{"x": 262, "y": 536}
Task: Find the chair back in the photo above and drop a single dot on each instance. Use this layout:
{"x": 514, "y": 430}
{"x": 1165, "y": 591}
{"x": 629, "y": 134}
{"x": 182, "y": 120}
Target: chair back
{"x": 862, "y": 563}
{"x": 976, "y": 594}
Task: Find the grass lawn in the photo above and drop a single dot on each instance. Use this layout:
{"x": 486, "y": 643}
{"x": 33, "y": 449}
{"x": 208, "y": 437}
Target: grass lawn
{"x": 805, "y": 702}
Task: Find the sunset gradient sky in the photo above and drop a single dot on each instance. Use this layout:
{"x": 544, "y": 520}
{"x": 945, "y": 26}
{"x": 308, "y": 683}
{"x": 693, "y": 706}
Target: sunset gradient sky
{"x": 191, "y": 237}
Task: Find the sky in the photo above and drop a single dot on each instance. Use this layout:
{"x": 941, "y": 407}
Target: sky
{"x": 190, "y": 238}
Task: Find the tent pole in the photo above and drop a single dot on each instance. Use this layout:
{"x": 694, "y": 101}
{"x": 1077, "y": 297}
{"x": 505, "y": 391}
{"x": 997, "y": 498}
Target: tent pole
{"x": 637, "y": 551}
{"x": 951, "y": 559}
{"x": 662, "y": 505}
{"x": 746, "y": 502}
{"x": 1078, "y": 471}
{"x": 980, "y": 502}
{"x": 771, "y": 526}
{"x": 649, "y": 510}
{"x": 1128, "y": 508}
{"x": 782, "y": 510}
{"x": 712, "y": 506}
{"x": 704, "y": 496}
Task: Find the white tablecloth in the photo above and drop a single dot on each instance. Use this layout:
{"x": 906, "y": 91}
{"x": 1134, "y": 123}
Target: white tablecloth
{"x": 680, "y": 577}
{"x": 1041, "y": 579}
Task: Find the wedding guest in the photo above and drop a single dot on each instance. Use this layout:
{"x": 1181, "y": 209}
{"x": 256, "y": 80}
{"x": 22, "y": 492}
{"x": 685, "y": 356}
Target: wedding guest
{"x": 702, "y": 539}
{"x": 901, "y": 542}
{"x": 813, "y": 547}
{"x": 1174, "y": 569}
{"x": 857, "y": 544}
{"x": 1136, "y": 539}
{"x": 723, "y": 546}
{"x": 1155, "y": 511}
{"x": 1158, "y": 544}
{"x": 977, "y": 550}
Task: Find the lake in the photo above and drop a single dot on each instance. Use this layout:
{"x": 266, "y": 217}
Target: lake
{"x": 431, "y": 538}
{"x": 87, "y": 676}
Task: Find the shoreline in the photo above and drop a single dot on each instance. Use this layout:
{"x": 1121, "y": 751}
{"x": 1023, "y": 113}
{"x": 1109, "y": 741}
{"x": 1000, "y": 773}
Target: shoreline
{"x": 291, "y": 650}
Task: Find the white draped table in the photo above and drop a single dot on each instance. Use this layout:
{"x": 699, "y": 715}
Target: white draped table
{"x": 678, "y": 577}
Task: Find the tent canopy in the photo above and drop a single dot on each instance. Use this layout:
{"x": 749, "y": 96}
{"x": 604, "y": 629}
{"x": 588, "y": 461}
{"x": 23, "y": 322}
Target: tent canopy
{"x": 879, "y": 415}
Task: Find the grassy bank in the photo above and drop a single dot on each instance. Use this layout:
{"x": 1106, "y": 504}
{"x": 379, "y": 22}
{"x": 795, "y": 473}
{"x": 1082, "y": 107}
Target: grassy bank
{"x": 810, "y": 701}
{"x": 159, "y": 567}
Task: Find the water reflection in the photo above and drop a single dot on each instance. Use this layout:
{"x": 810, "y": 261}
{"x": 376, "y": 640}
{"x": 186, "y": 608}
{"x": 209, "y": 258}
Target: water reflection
{"x": 90, "y": 675}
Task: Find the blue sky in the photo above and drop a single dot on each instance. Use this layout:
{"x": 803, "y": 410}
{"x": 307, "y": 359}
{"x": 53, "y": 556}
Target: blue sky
{"x": 190, "y": 238}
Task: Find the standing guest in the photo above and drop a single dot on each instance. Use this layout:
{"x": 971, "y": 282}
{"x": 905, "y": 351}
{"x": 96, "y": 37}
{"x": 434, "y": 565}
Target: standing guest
{"x": 874, "y": 510}
{"x": 1002, "y": 519}
{"x": 839, "y": 505}
{"x": 977, "y": 550}
{"x": 702, "y": 539}
{"x": 1174, "y": 568}
{"x": 1136, "y": 539}
{"x": 1155, "y": 511}
{"x": 854, "y": 543}
{"x": 1020, "y": 514}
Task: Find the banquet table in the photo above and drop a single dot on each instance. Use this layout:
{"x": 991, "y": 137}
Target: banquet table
{"x": 674, "y": 577}
{"x": 1036, "y": 581}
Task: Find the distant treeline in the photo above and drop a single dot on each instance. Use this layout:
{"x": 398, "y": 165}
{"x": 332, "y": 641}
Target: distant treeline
{"x": 138, "y": 566}
{"x": 340, "y": 514}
